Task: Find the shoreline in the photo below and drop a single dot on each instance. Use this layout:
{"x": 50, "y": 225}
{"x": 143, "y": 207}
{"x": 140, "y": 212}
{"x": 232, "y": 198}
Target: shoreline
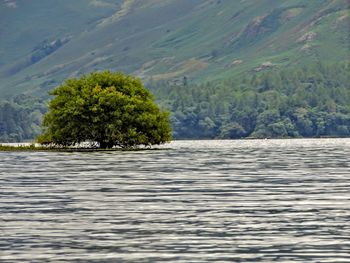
{"x": 38, "y": 148}
{"x": 201, "y": 143}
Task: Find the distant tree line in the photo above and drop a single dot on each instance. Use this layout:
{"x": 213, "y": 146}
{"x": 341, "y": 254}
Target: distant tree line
{"x": 312, "y": 101}
{"x": 20, "y": 118}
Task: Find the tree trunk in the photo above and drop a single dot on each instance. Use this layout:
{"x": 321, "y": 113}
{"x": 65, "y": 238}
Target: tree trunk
{"x": 105, "y": 145}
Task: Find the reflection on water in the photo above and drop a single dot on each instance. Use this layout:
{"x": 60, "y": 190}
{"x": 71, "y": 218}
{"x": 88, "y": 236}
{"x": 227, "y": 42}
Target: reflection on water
{"x": 197, "y": 201}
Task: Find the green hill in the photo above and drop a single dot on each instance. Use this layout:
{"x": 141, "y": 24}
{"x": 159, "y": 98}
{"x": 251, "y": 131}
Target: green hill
{"x": 224, "y": 68}
{"x": 44, "y": 42}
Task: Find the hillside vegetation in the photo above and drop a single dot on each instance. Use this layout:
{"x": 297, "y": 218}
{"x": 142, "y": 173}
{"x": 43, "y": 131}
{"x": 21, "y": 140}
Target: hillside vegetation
{"x": 225, "y": 69}
{"x": 20, "y": 118}
{"x": 44, "y": 42}
{"x": 311, "y": 101}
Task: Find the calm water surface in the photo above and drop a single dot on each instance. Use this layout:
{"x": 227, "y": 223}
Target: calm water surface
{"x": 197, "y": 201}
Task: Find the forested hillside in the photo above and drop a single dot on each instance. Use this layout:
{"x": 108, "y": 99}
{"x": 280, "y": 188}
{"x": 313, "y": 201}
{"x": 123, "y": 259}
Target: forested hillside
{"x": 20, "y": 118}
{"x": 224, "y": 68}
{"x": 311, "y": 101}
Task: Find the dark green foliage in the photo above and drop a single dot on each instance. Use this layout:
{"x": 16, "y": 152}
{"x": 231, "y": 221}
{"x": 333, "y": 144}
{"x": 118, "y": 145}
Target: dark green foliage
{"x": 109, "y": 109}
{"x": 312, "y": 101}
{"x": 20, "y": 118}
{"x": 306, "y": 102}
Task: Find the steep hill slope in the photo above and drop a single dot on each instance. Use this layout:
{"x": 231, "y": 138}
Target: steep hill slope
{"x": 44, "y": 42}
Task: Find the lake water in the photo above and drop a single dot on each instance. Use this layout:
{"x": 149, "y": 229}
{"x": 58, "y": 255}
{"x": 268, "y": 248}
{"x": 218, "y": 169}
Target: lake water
{"x": 196, "y": 201}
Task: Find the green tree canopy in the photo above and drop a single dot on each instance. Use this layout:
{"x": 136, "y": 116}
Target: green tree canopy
{"x": 308, "y": 101}
{"x": 108, "y": 109}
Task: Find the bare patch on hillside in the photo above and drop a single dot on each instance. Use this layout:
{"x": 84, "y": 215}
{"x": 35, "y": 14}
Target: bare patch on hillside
{"x": 186, "y": 67}
{"x": 10, "y": 3}
{"x": 330, "y": 9}
{"x": 150, "y": 3}
{"x": 263, "y": 26}
{"x": 234, "y": 63}
{"x": 264, "y": 66}
{"x": 100, "y": 3}
{"x": 145, "y": 68}
{"x": 309, "y": 36}
{"x": 290, "y": 14}
{"x": 343, "y": 21}
{"x": 125, "y": 9}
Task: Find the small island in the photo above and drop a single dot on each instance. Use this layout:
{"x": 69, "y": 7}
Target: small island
{"x": 101, "y": 111}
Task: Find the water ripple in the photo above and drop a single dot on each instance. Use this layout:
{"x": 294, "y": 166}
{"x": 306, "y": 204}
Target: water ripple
{"x": 196, "y": 201}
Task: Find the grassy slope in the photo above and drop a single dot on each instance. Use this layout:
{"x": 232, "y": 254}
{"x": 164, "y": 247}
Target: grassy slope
{"x": 167, "y": 39}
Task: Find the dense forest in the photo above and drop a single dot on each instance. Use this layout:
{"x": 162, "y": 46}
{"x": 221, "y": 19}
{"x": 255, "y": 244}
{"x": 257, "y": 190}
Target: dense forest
{"x": 20, "y": 118}
{"x": 313, "y": 101}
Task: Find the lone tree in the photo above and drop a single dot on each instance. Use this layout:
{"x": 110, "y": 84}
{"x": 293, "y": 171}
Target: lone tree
{"x": 106, "y": 109}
